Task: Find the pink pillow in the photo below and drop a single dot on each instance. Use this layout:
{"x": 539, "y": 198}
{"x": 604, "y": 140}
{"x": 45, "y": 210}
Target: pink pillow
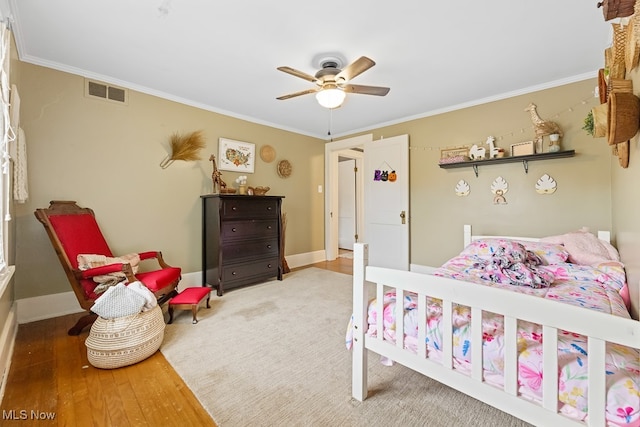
{"x": 549, "y": 253}
{"x": 584, "y": 248}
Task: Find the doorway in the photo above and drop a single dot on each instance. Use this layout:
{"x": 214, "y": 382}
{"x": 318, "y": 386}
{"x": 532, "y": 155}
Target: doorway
{"x": 386, "y": 213}
{"x": 346, "y": 148}
{"x": 350, "y": 199}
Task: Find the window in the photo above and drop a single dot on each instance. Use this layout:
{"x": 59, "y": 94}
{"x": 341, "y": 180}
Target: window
{"x": 8, "y": 132}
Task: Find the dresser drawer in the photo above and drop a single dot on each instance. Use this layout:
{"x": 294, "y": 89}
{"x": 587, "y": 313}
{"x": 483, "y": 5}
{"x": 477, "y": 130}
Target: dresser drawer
{"x": 250, "y": 207}
{"x": 249, "y": 229}
{"x": 250, "y": 270}
{"x": 250, "y": 249}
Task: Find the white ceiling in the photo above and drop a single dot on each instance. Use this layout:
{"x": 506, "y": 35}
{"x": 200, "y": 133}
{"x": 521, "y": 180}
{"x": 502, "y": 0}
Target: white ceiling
{"x": 222, "y": 55}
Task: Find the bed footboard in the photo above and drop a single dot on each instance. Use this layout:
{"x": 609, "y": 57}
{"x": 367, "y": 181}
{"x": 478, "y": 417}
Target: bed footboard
{"x": 553, "y": 316}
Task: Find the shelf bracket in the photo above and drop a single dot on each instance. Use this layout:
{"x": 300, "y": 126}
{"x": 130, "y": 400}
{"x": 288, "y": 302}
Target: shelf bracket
{"x": 525, "y": 164}
{"x": 475, "y": 169}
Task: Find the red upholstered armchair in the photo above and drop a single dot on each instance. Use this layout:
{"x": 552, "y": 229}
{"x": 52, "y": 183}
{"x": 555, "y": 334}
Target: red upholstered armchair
{"x": 74, "y": 231}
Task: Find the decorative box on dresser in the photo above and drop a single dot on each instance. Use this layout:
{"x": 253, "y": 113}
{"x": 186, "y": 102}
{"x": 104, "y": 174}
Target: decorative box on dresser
{"x": 240, "y": 240}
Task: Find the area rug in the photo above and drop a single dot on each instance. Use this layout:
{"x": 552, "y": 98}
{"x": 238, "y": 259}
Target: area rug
{"x": 273, "y": 354}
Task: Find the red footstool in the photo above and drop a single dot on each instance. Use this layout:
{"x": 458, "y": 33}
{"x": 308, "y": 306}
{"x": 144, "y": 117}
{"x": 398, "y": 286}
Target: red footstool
{"x": 190, "y": 298}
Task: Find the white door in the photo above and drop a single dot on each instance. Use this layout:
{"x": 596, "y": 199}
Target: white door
{"x": 386, "y": 198}
{"x": 346, "y": 204}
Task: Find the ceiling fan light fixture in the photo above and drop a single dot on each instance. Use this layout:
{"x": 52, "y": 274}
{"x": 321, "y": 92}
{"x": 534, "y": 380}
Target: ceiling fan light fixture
{"x": 330, "y": 98}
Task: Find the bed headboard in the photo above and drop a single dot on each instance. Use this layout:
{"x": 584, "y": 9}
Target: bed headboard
{"x": 468, "y": 237}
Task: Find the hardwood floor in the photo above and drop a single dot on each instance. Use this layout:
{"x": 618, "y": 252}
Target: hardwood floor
{"x": 51, "y": 382}
{"x": 342, "y": 264}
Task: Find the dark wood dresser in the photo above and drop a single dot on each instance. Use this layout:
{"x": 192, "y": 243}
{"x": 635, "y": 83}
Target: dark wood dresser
{"x": 240, "y": 240}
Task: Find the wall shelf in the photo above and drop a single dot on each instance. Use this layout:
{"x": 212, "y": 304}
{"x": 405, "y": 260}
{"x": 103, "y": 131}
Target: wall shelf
{"x": 524, "y": 159}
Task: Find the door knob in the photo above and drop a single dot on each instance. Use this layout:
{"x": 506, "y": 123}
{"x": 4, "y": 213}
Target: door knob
{"x": 403, "y": 215}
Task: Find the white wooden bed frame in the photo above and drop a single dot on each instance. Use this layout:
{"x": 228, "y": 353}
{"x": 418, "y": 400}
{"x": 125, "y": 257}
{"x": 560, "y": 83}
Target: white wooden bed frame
{"x": 599, "y": 327}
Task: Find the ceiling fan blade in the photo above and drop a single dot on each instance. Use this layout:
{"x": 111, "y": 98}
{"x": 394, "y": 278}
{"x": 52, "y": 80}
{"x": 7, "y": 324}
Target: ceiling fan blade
{"x": 356, "y": 68}
{"x": 297, "y": 73}
{"x": 293, "y": 95}
{"x": 367, "y": 90}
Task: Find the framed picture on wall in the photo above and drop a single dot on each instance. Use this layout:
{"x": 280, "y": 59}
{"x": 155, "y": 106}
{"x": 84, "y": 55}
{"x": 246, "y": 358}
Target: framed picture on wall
{"x": 236, "y": 156}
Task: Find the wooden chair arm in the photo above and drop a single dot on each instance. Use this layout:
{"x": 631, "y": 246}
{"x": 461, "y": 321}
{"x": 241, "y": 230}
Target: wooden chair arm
{"x": 106, "y": 269}
{"x": 154, "y": 255}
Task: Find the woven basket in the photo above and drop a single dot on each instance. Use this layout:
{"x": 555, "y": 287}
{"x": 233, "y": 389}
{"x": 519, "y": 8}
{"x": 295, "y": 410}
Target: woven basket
{"x": 616, "y": 8}
{"x": 623, "y": 117}
{"x": 600, "y": 127}
{"x": 603, "y": 90}
{"x": 620, "y": 85}
{"x": 114, "y": 343}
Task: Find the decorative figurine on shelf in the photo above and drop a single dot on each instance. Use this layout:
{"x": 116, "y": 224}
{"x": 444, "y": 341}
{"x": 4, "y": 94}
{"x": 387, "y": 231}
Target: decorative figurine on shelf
{"x": 476, "y": 153}
{"x": 493, "y": 150}
{"x": 554, "y": 143}
{"x": 541, "y": 127}
{"x": 216, "y": 176}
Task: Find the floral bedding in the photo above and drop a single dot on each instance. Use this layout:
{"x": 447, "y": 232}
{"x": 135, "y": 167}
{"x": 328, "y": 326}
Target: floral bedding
{"x": 596, "y": 287}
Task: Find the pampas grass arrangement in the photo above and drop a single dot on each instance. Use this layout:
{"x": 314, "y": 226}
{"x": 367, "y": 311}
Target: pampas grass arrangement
{"x": 184, "y": 147}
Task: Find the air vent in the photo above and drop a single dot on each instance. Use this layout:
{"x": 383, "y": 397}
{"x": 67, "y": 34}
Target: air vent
{"x": 106, "y": 92}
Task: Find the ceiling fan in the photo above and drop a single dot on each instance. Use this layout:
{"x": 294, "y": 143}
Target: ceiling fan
{"x": 332, "y": 83}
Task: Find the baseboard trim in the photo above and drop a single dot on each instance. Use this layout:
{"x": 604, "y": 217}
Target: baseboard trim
{"x": 47, "y": 306}
{"x": 60, "y": 304}
{"x": 300, "y": 260}
{"x": 7, "y": 342}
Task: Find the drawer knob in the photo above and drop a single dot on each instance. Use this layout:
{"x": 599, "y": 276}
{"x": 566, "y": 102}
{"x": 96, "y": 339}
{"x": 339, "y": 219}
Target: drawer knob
{"x": 268, "y": 265}
{"x": 233, "y": 229}
{"x": 268, "y": 246}
{"x": 268, "y": 208}
{"x": 233, "y": 273}
{"x": 234, "y": 208}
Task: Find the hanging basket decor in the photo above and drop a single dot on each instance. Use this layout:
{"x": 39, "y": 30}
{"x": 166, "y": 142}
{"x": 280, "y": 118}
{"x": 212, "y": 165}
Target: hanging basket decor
{"x": 616, "y": 8}
{"x": 623, "y": 117}
{"x": 184, "y": 147}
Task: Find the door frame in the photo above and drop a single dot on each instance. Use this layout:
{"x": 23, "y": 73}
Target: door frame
{"x": 332, "y": 150}
{"x": 358, "y": 161}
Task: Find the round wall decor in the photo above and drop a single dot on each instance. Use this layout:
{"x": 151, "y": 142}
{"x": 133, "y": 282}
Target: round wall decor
{"x": 267, "y": 153}
{"x": 284, "y": 169}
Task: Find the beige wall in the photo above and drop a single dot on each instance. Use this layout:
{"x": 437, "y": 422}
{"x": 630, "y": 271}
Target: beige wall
{"x": 625, "y": 207}
{"x": 583, "y": 195}
{"x": 106, "y": 156}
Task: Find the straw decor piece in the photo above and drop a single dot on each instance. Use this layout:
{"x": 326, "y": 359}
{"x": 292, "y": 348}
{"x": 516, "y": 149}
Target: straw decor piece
{"x": 184, "y": 147}
{"x": 123, "y": 341}
{"x": 617, "y": 67}
{"x": 600, "y": 126}
{"x": 622, "y": 152}
{"x": 632, "y": 50}
{"x": 635, "y": 20}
